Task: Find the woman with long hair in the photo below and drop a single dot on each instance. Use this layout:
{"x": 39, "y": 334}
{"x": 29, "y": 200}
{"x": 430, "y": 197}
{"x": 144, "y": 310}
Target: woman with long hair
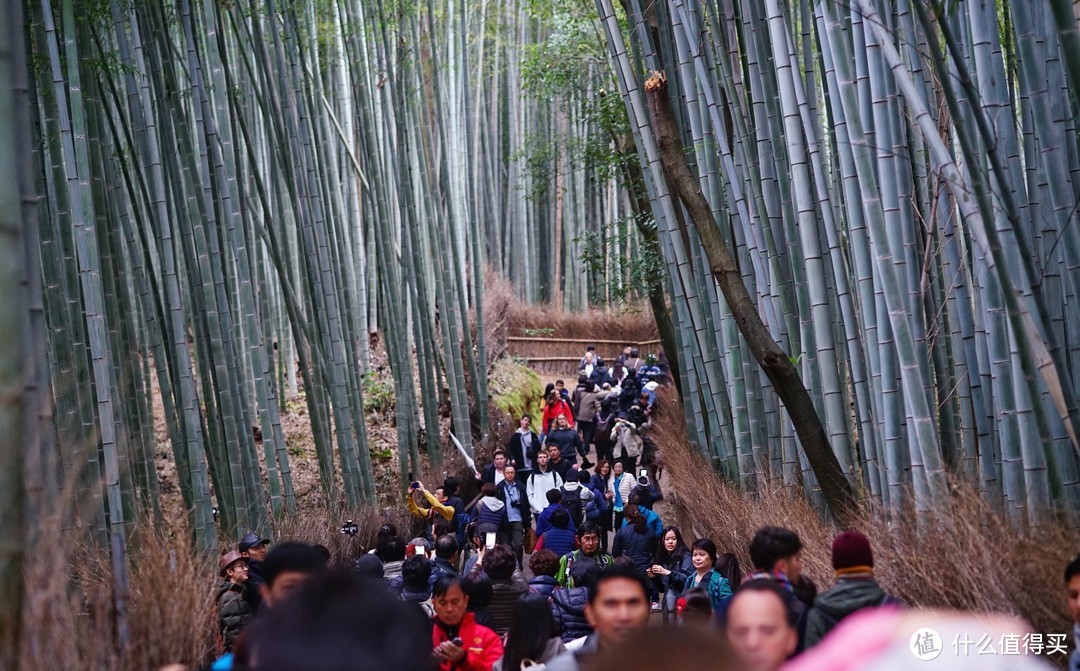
{"x": 671, "y": 567}
{"x": 532, "y": 635}
{"x": 600, "y": 482}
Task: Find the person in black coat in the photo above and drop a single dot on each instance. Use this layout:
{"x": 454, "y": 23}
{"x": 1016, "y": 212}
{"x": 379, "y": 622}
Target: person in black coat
{"x": 513, "y": 493}
{"x": 523, "y": 447}
{"x": 568, "y": 604}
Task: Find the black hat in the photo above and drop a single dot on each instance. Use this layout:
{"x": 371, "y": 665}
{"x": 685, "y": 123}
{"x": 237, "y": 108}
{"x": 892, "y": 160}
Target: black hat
{"x": 251, "y": 540}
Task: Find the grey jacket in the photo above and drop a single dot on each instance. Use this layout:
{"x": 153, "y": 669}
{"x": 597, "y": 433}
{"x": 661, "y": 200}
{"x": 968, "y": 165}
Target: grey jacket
{"x": 849, "y": 595}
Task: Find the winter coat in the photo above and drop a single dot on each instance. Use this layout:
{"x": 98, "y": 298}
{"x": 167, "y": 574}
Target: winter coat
{"x": 553, "y": 649}
{"x": 539, "y": 484}
{"x": 553, "y": 410}
{"x": 522, "y": 501}
{"x": 681, "y": 567}
{"x": 567, "y": 561}
{"x": 543, "y": 520}
{"x": 439, "y": 568}
{"x": 563, "y": 467}
{"x": 491, "y": 510}
{"x": 652, "y": 520}
{"x": 848, "y": 596}
{"x": 620, "y": 488}
{"x": 638, "y": 545}
{"x": 234, "y": 612}
{"x": 252, "y": 593}
{"x": 568, "y": 442}
{"x": 568, "y": 608}
{"x": 628, "y": 441}
{"x": 483, "y": 647}
{"x": 543, "y": 584}
{"x": 559, "y": 541}
{"x": 518, "y": 453}
{"x": 504, "y": 595}
{"x": 586, "y": 402}
{"x": 717, "y": 586}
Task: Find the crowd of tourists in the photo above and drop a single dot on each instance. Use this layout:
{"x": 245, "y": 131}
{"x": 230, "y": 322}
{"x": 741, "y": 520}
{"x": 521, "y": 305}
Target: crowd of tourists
{"x": 551, "y": 566}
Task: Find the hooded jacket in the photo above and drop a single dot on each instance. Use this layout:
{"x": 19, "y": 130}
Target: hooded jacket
{"x": 848, "y": 596}
{"x": 234, "y": 612}
{"x": 491, "y": 510}
{"x": 568, "y": 608}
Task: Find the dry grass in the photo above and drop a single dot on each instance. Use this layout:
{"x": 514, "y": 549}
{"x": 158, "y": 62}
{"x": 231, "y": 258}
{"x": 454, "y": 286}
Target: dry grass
{"x": 634, "y": 323}
{"x": 967, "y": 558}
{"x": 71, "y": 617}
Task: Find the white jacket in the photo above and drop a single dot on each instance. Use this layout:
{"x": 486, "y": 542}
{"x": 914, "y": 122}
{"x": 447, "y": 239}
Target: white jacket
{"x": 538, "y": 486}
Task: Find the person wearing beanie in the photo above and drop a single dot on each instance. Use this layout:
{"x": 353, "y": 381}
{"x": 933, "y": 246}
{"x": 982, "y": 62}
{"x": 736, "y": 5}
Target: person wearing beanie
{"x": 856, "y": 588}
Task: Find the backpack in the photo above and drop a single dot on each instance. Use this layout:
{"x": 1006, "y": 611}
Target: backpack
{"x": 572, "y": 503}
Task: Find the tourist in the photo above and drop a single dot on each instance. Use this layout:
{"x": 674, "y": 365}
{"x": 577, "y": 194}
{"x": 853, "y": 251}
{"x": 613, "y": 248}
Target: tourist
{"x": 617, "y": 608}
{"x": 523, "y": 448}
{"x": 491, "y": 509}
{"x": 493, "y": 472}
{"x": 436, "y": 503}
{"x": 586, "y": 404}
{"x": 554, "y": 406}
{"x": 541, "y": 481}
{"x": 368, "y": 567}
{"x": 286, "y": 568}
{"x": 513, "y": 493}
{"x": 620, "y": 485}
{"x": 695, "y": 608}
{"x": 605, "y": 420}
{"x": 600, "y": 483}
{"x": 568, "y": 604}
{"x": 760, "y": 626}
{"x": 777, "y": 555}
{"x": 254, "y": 548}
{"x": 459, "y": 643}
{"x": 559, "y": 537}
{"x": 703, "y": 558}
{"x": 234, "y": 610}
{"x": 556, "y": 462}
{"x": 544, "y": 565}
{"x": 628, "y": 442}
{"x": 590, "y": 356}
{"x": 416, "y": 583}
{"x": 507, "y": 584}
{"x": 575, "y": 496}
{"x": 855, "y": 587}
{"x": 589, "y": 550}
{"x": 651, "y": 518}
{"x": 543, "y": 520}
{"x": 391, "y": 551}
{"x": 635, "y": 540}
{"x": 566, "y": 438}
{"x": 445, "y": 559}
{"x": 671, "y": 567}
{"x": 477, "y": 586}
{"x": 533, "y": 635}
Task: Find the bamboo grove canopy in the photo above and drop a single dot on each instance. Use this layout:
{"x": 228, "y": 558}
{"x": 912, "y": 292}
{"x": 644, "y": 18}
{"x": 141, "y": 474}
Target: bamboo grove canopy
{"x": 897, "y": 181}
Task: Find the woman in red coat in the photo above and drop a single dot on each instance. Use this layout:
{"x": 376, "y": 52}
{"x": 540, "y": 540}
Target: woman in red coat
{"x": 460, "y": 644}
{"x": 554, "y": 407}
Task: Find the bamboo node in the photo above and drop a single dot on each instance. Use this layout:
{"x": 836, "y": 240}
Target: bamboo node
{"x": 656, "y": 81}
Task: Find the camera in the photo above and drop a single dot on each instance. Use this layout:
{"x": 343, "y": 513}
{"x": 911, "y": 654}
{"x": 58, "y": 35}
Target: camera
{"x": 349, "y": 528}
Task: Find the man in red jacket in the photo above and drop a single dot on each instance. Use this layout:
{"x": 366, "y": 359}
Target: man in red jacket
{"x": 460, "y": 644}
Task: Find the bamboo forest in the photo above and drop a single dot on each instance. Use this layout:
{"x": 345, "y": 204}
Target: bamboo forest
{"x": 852, "y": 226}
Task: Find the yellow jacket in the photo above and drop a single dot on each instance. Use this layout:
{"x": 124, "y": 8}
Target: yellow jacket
{"x": 446, "y": 511}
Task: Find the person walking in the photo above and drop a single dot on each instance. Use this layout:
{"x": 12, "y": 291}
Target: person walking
{"x": 703, "y": 558}
{"x": 540, "y": 482}
{"x": 514, "y": 494}
{"x": 856, "y": 588}
{"x": 566, "y": 438}
{"x": 600, "y": 483}
{"x": 671, "y": 568}
{"x": 635, "y": 540}
{"x": 523, "y": 447}
{"x": 620, "y": 485}
{"x": 568, "y": 604}
{"x": 589, "y": 550}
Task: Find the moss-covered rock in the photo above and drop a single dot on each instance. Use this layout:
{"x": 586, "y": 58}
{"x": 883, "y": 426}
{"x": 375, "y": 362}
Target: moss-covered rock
{"x": 515, "y": 388}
